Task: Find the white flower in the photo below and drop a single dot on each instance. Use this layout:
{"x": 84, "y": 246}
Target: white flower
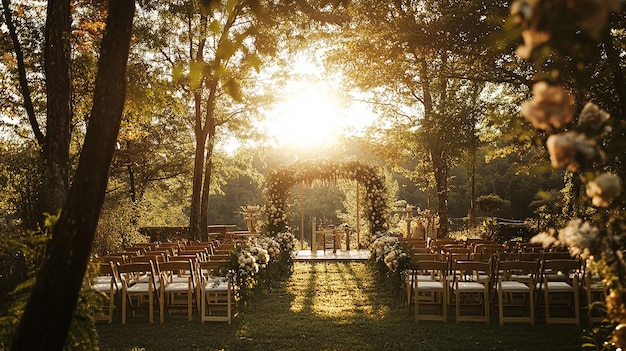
{"x": 604, "y": 189}
{"x": 579, "y": 237}
{"x": 547, "y": 239}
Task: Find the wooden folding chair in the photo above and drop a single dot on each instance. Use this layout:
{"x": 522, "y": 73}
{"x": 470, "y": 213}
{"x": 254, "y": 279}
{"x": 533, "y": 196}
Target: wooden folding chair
{"x": 517, "y": 279}
{"x": 138, "y": 281}
{"x": 471, "y": 287}
{"x": 431, "y": 289}
{"x": 107, "y": 283}
{"x": 215, "y": 292}
{"x": 177, "y": 286}
{"x": 596, "y": 293}
{"x": 560, "y": 278}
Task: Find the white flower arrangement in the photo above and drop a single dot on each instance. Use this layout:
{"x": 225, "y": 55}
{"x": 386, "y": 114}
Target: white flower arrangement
{"x": 388, "y": 249}
{"x": 271, "y": 246}
{"x": 261, "y": 256}
{"x": 287, "y": 241}
{"x": 247, "y": 263}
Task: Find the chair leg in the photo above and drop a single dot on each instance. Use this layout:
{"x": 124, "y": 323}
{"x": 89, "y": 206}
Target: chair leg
{"x": 229, "y": 307}
{"x": 162, "y": 307}
{"x": 124, "y": 303}
{"x": 500, "y": 308}
{"x": 444, "y": 303}
{"x": 189, "y": 303}
{"x": 416, "y": 301}
{"x": 531, "y": 307}
{"x": 151, "y": 307}
{"x": 487, "y": 302}
{"x": 202, "y": 306}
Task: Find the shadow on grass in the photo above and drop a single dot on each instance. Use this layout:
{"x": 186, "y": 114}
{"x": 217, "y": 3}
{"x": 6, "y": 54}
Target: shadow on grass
{"x": 332, "y": 306}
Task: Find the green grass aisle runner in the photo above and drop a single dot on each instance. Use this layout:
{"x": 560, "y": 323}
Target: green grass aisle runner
{"x": 332, "y": 306}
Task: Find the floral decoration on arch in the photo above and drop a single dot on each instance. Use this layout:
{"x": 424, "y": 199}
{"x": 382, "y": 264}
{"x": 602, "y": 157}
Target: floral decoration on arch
{"x": 280, "y": 182}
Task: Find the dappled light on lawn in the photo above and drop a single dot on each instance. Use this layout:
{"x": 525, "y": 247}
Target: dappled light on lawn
{"x": 334, "y": 291}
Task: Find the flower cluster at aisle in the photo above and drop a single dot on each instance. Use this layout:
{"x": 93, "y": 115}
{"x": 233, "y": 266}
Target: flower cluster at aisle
{"x": 388, "y": 249}
{"x": 390, "y": 257}
{"x": 281, "y": 181}
{"x": 261, "y": 261}
{"x": 287, "y": 241}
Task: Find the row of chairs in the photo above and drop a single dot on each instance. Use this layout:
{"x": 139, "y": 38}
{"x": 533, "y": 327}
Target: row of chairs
{"x": 515, "y": 285}
{"x": 475, "y": 246}
{"x": 176, "y": 281}
{"x": 161, "y": 252}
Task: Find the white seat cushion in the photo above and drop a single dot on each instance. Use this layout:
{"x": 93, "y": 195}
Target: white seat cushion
{"x": 559, "y": 287}
{"x": 513, "y": 286}
{"x": 177, "y": 286}
{"x": 429, "y": 285}
{"x": 469, "y": 286}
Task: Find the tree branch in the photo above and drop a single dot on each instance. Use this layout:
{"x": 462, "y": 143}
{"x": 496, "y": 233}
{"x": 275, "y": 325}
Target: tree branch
{"x": 21, "y": 68}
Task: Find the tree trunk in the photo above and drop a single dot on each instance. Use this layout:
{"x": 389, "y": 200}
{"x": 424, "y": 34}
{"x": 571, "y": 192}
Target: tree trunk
{"x": 196, "y": 192}
{"x": 440, "y": 168}
{"x": 206, "y": 187}
{"x": 204, "y": 132}
{"x": 48, "y": 314}
{"x": 56, "y": 148}
{"x": 21, "y": 68}
{"x": 472, "y": 187}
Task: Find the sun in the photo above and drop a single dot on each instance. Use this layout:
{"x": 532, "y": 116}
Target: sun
{"x": 314, "y": 111}
{"x": 309, "y": 116}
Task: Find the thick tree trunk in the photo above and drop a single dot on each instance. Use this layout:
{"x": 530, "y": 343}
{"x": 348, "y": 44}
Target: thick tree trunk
{"x": 204, "y": 132}
{"x": 56, "y": 148}
{"x": 196, "y": 192}
{"x": 48, "y": 314}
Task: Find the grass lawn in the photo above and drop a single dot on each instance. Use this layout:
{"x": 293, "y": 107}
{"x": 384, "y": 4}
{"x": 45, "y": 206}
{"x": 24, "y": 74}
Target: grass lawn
{"x": 332, "y": 306}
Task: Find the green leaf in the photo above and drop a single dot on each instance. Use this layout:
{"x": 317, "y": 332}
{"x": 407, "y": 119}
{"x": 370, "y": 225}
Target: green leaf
{"x": 255, "y": 61}
{"x": 215, "y": 27}
{"x": 234, "y": 89}
{"x": 196, "y": 74}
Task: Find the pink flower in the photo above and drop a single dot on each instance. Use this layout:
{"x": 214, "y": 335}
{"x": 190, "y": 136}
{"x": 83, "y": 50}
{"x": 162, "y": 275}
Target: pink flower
{"x": 568, "y": 148}
{"x": 604, "y": 189}
{"x": 592, "y": 116}
{"x": 532, "y": 39}
{"x": 550, "y": 107}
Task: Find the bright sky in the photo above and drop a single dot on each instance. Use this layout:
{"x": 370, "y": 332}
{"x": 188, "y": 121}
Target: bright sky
{"x": 313, "y": 113}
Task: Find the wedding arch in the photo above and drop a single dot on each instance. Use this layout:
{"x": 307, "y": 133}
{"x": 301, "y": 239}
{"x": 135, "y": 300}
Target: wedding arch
{"x": 279, "y": 183}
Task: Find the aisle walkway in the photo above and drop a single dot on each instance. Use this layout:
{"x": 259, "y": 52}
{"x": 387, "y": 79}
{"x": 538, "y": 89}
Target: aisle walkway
{"x": 329, "y": 255}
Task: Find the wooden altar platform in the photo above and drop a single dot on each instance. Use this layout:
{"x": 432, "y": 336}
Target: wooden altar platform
{"x": 328, "y": 255}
